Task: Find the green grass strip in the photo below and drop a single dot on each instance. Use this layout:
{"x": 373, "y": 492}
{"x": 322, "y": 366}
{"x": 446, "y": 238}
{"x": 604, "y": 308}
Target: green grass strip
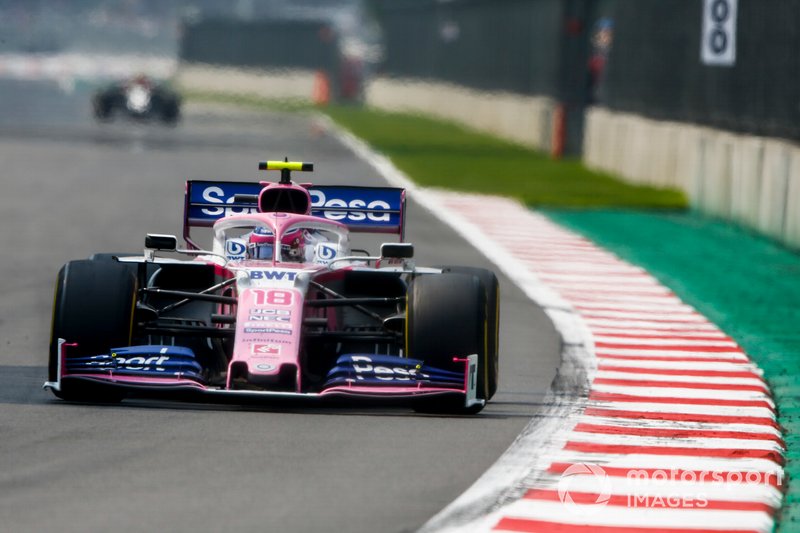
{"x": 444, "y": 154}
{"x": 744, "y": 283}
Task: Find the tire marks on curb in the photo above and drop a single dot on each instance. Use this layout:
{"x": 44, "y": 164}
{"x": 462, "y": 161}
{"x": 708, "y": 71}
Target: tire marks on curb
{"x": 655, "y": 356}
{"x": 670, "y": 426}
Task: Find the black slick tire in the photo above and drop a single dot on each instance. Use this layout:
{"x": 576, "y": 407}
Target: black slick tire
{"x": 492, "y": 288}
{"x": 446, "y": 318}
{"x": 93, "y": 307}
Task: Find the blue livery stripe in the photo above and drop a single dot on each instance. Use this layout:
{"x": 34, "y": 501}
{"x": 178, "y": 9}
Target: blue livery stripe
{"x": 151, "y": 361}
{"x": 367, "y": 369}
{"x": 379, "y": 209}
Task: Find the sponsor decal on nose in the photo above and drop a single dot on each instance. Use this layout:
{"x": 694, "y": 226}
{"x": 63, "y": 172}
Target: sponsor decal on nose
{"x": 265, "y": 349}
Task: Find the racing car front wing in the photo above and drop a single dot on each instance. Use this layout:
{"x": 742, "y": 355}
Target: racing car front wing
{"x": 161, "y": 370}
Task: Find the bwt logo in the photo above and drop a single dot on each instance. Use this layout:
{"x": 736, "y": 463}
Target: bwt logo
{"x": 273, "y": 275}
{"x": 318, "y": 200}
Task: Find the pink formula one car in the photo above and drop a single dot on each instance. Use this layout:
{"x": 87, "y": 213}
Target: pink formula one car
{"x": 279, "y": 307}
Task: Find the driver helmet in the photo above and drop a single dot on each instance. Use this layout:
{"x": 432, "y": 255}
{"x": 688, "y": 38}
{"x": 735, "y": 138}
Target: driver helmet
{"x": 261, "y": 245}
{"x": 141, "y": 79}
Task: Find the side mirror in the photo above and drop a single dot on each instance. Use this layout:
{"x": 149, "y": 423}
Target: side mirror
{"x": 162, "y": 243}
{"x": 397, "y": 250}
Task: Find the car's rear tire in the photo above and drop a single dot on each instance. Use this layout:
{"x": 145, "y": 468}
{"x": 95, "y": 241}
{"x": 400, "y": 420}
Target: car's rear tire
{"x": 93, "y": 307}
{"x": 102, "y": 108}
{"x": 447, "y": 318}
{"x": 170, "y": 111}
{"x": 492, "y": 288}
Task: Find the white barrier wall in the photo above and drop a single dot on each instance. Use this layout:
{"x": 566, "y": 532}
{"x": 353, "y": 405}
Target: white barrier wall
{"x": 791, "y": 229}
{"x": 527, "y": 120}
{"x": 748, "y": 160}
{"x": 277, "y": 84}
{"x": 751, "y": 180}
{"x": 774, "y": 189}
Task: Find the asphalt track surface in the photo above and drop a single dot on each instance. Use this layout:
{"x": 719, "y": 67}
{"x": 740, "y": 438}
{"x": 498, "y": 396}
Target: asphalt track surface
{"x": 71, "y": 188}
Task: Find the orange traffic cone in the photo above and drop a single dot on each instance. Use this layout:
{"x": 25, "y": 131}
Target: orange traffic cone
{"x": 559, "y": 131}
{"x": 322, "y": 89}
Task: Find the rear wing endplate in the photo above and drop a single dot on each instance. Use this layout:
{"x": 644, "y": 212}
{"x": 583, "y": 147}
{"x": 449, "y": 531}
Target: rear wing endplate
{"x": 362, "y": 209}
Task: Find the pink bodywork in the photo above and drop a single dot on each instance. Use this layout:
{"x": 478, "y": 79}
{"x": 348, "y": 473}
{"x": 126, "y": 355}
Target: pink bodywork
{"x": 269, "y": 320}
{"x": 269, "y": 315}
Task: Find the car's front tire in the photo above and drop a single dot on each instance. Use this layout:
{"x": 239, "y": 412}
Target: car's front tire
{"x": 492, "y": 288}
{"x": 102, "y": 107}
{"x": 93, "y": 307}
{"x": 446, "y": 318}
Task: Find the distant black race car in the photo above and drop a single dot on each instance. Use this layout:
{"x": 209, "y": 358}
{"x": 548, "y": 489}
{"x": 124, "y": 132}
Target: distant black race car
{"x": 139, "y": 98}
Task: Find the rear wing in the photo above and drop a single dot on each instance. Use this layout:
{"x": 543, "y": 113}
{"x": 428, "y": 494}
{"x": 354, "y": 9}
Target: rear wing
{"x": 362, "y": 209}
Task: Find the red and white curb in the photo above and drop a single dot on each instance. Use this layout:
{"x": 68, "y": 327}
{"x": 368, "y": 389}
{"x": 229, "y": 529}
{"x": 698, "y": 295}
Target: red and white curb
{"x": 677, "y": 431}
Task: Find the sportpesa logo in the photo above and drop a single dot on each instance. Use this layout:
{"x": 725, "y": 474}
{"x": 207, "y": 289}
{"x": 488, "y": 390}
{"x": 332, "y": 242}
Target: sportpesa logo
{"x": 364, "y": 368}
{"x": 319, "y": 200}
{"x": 340, "y": 208}
{"x": 216, "y": 195}
{"x": 155, "y": 362}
